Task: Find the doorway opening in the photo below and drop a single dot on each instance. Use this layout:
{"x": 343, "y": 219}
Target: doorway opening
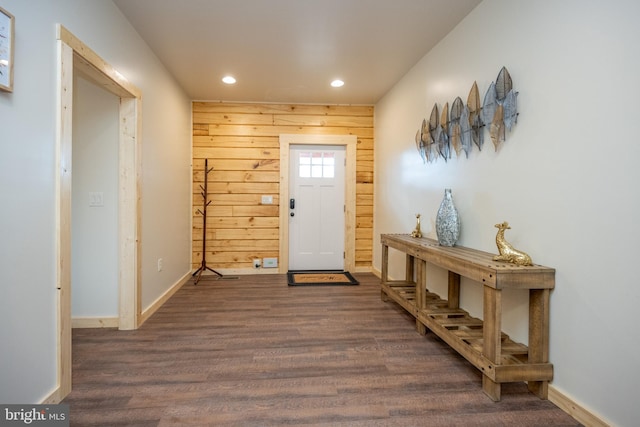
{"x": 94, "y": 211}
{"x": 74, "y": 57}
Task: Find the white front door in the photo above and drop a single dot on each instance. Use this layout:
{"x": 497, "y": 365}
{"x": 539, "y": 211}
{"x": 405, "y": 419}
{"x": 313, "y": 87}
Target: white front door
{"x": 316, "y": 207}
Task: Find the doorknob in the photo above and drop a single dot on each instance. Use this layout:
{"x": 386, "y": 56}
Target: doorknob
{"x": 292, "y": 204}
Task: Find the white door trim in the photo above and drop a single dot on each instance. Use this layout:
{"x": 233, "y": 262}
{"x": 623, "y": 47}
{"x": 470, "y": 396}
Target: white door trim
{"x": 350, "y": 143}
{"x": 74, "y": 56}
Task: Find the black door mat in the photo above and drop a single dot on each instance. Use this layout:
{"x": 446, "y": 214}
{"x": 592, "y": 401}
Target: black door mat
{"x": 320, "y": 278}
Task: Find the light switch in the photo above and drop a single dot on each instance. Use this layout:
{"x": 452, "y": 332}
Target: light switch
{"x": 267, "y": 200}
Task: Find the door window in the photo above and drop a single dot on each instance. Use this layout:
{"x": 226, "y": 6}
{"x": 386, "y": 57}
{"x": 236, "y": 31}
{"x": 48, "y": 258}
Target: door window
{"x": 316, "y": 164}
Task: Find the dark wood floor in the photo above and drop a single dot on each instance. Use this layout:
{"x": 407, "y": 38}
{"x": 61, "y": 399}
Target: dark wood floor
{"x": 255, "y": 352}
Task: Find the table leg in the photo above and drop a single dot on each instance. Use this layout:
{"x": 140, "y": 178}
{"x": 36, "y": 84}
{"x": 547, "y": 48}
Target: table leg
{"x": 454, "y": 290}
{"x": 492, "y": 346}
{"x": 421, "y": 288}
{"x": 539, "y": 336}
{"x": 409, "y": 268}
{"x": 384, "y": 273}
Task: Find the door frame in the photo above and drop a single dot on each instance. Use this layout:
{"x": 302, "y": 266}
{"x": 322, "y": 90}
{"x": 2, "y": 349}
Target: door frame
{"x": 350, "y": 143}
{"x": 73, "y": 56}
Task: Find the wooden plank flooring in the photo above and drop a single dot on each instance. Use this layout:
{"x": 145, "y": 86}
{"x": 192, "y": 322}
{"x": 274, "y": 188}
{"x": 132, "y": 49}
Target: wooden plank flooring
{"x": 256, "y": 352}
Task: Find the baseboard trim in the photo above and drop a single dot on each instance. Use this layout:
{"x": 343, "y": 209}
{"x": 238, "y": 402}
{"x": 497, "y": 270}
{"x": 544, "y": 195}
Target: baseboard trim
{"x": 94, "y": 322}
{"x": 248, "y": 271}
{"x": 239, "y": 272}
{"x": 54, "y": 397}
{"x": 578, "y": 412}
{"x": 376, "y": 272}
{"x": 159, "y": 302}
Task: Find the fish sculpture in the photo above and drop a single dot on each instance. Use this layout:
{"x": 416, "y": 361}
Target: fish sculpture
{"x": 426, "y": 141}
{"x": 496, "y": 130}
{"x": 438, "y": 136}
{"x": 433, "y": 122}
{"x": 434, "y": 128}
{"x": 419, "y": 145}
{"x": 489, "y": 104}
{"x": 510, "y": 105}
{"x": 465, "y": 131}
{"x": 435, "y": 153}
{"x": 493, "y": 115}
{"x": 475, "y": 117}
{"x": 444, "y": 146}
{"x": 455, "y": 133}
{"x": 504, "y": 84}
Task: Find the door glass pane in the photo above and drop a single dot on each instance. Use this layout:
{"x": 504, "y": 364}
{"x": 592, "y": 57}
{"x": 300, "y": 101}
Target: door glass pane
{"x": 304, "y": 165}
{"x": 328, "y": 165}
{"x": 305, "y": 171}
{"x": 316, "y": 164}
{"x": 305, "y": 158}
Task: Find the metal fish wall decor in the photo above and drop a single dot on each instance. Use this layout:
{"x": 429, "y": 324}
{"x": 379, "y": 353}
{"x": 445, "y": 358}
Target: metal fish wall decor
{"x": 489, "y": 104}
{"x": 475, "y": 116}
{"x": 454, "y": 125}
{"x": 465, "y": 131}
{"x": 496, "y": 128}
{"x": 443, "y": 142}
{"x": 434, "y": 130}
{"x": 426, "y": 141}
{"x": 510, "y": 109}
{"x": 463, "y": 126}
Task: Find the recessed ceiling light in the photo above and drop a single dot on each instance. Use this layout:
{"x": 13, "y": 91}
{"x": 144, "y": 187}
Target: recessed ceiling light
{"x": 337, "y": 83}
{"x": 228, "y": 80}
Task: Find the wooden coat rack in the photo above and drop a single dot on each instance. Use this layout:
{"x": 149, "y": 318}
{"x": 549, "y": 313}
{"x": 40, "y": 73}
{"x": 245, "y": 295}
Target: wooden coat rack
{"x": 203, "y": 212}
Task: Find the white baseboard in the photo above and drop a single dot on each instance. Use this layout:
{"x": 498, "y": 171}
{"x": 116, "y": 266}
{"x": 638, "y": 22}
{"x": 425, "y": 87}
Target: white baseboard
{"x": 376, "y": 272}
{"x": 94, "y": 322}
{"x": 240, "y": 271}
{"x": 250, "y": 271}
{"x": 159, "y": 302}
{"x": 578, "y": 412}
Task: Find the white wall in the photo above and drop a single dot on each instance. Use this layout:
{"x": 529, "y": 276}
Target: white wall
{"x": 566, "y": 178}
{"x": 27, "y": 171}
{"x": 94, "y": 229}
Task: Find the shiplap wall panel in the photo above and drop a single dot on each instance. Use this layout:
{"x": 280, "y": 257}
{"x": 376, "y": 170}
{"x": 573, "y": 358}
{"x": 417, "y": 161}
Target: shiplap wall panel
{"x": 234, "y": 142}
{"x": 319, "y": 110}
{"x": 241, "y": 143}
{"x": 218, "y": 175}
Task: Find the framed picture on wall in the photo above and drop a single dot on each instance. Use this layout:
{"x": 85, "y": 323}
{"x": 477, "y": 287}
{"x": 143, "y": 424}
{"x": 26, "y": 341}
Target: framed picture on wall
{"x": 6, "y": 50}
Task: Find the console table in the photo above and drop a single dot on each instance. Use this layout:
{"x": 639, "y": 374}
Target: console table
{"x": 481, "y": 342}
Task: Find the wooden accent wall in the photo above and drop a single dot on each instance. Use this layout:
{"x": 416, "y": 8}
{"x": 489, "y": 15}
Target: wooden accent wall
{"x": 241, "y": 142}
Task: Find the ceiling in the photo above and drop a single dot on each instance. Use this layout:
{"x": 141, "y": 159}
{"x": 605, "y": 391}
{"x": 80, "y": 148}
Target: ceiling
{"x": 290, "y": 50}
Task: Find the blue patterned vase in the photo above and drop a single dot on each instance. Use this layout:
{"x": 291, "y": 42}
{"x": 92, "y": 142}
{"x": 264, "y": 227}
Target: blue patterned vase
{"x": 447, "y": 221}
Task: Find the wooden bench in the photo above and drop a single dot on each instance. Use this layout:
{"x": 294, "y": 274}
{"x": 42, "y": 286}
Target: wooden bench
{"x": 481, "y": 342}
